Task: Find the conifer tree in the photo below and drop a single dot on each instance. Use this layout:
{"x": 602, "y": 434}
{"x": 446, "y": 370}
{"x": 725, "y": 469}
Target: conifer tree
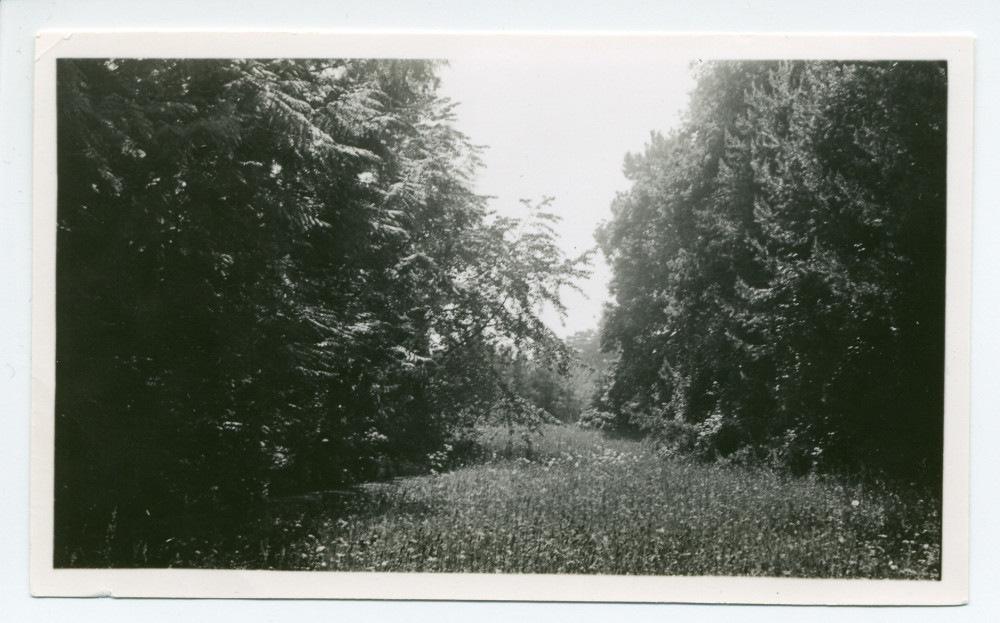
{"x": 779, "y": 267}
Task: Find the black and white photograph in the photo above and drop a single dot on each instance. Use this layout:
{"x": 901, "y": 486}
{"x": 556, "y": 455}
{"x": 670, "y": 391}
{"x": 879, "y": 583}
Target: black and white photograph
{"x": 562, "y": 318}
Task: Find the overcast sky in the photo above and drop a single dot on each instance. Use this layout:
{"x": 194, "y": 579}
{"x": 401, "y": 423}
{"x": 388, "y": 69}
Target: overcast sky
{"x": 560, "y": 126}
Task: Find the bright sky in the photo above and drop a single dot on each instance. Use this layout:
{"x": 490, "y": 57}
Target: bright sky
{"x": 560, "y": 126}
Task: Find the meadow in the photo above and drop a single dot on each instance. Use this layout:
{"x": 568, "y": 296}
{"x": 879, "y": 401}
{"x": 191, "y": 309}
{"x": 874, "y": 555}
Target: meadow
{"x": 572, "y": 501}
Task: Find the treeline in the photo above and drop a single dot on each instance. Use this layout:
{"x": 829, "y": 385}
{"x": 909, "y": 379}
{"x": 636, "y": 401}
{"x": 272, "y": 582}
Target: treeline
{"x": 564, "y": 394}
{"x": 779, "y": 269}
{"x": 274, "y": 276}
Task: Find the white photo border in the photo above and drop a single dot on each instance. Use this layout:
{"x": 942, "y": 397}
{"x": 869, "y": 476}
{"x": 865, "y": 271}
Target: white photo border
{"x": 951, "y": 589}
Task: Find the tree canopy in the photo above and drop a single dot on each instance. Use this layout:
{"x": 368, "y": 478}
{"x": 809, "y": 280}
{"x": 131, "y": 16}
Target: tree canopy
{"x": 273, "y": 275}
{"x": 779, "y": 268}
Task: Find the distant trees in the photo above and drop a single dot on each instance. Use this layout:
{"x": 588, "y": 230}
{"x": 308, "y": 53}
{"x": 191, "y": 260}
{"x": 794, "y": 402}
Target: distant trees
{"x": 779, "y": 268}
{"x": 567, "y": 392}
{"x": 272, "y": 275}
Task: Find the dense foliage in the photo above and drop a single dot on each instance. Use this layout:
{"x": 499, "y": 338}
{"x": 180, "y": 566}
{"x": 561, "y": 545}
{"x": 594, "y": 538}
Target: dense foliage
{"x": 273, "y": 276}
{"x": 779, "y": 268}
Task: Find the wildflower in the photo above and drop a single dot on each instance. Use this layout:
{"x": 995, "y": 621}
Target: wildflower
{"x": 855, "y": 503}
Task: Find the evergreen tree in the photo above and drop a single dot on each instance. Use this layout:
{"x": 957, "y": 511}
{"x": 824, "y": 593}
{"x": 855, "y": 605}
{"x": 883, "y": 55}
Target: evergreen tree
{"x": 779, "y": 267}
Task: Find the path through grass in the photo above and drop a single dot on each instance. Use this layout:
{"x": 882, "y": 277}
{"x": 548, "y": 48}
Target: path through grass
{"x": 574, "y": 501}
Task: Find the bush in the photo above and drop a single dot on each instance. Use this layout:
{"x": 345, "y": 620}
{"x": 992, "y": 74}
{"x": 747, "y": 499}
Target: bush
{"x": 601, "y": 420}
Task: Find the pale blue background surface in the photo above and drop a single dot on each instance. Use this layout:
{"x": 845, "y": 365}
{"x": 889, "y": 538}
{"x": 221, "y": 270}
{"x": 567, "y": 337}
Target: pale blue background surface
{"x": 20, "y": 19}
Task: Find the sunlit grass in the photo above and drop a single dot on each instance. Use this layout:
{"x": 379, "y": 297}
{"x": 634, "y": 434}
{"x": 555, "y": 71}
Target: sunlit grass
{"x": 573, "y": 501}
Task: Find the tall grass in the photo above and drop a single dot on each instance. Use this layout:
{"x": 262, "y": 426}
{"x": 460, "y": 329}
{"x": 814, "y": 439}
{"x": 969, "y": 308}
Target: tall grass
{"x": 573, "y": 501}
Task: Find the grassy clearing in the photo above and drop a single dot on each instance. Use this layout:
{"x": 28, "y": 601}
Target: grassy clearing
{"x": 574, "y": 501}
